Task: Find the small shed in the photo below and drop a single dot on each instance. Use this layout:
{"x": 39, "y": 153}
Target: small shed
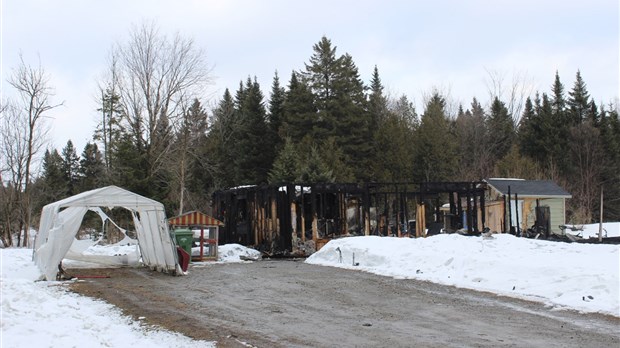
{"x": 517, "y": 204}
{"x": 209, "y": 232}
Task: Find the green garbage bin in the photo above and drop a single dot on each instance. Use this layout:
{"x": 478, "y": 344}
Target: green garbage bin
{"x": 185, "y": 239}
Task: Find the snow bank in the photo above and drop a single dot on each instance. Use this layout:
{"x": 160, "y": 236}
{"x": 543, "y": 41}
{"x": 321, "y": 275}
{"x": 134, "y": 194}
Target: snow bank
{"x": 584, "y": 277}
{"x": 237, "y": 253}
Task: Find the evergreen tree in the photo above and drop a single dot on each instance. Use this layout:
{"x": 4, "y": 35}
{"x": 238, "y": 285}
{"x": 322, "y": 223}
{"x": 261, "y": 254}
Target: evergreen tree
{"x": 334, "y": 160}
{"x": 254, "y": 156}
{"x": 529, "y": 130}
{"x": 501, "y": 130}
{"x": 199, "y": 156}
{"x": 341, "y": 103}
{"x": 275, "y": 116}
{"x": 187, "y": 156}
{"x": 354, "y": 125}
{"x": 579, "y": 102}
{"x": 474, "y": 143}
{"x": 54, "y": 182}
{"x": 394, "y": 148}
{"x": 378, "y": 114}
{"x": 285, "y": 167}
{"x": 436, "y": 151}
{"x": 558, "y": 133}
{"x": 558, "y": 103}
{"x": 220, "y": 143}
{"x": 300, "y": 114}
{"x": 91, "y": 172}
{"x": 128, "y": 162}
{"x": 70, "y": 168}
{"x": 377, "y": 102}
{"x": 315, "y": 169}
{"x": 322, "y": 72}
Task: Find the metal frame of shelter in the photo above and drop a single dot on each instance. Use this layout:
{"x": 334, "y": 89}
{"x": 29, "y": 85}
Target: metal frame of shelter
{"x": 196, "y": 219}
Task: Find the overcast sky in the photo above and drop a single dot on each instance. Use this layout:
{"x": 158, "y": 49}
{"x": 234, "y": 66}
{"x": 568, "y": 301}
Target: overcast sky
{"x": 416, "y": 45}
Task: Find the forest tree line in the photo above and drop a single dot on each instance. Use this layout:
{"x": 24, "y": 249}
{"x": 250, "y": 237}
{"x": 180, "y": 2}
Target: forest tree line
{"x": 324, "y": 124}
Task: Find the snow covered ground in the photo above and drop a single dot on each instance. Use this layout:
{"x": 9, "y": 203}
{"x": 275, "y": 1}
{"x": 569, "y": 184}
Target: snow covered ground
{"x": 610, "y": 229}
{"x": 584, "y": 277}
{"x": 45, "y": 314}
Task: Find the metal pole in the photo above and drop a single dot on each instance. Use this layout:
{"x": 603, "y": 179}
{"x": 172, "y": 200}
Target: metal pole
{"x": 600, "y": 224}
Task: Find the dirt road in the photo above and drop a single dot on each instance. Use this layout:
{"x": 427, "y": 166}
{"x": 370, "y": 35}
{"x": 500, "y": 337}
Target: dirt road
{"x": 293, "y": 304}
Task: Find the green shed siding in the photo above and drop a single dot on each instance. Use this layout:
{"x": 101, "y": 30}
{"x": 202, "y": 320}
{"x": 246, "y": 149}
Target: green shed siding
{"x": 558, "y": 214}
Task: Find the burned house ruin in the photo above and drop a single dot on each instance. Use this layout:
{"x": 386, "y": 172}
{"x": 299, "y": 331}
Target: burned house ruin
{"x": 298, "y": 219}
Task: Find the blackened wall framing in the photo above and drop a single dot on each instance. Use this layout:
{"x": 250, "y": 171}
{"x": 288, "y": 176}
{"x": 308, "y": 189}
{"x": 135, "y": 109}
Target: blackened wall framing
{"x": 298, "y": 218}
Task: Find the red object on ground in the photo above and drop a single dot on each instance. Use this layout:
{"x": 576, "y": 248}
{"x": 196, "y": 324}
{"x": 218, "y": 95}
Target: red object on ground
{"x": 183, "y": 258}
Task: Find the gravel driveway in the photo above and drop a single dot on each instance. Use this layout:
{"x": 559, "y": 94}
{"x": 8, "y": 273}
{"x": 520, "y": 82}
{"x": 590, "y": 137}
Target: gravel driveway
{"x": 289, "y": 303}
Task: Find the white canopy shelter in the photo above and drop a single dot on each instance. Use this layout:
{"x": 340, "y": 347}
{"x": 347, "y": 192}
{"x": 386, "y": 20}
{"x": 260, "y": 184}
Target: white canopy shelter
{"x": 61, "y": 220}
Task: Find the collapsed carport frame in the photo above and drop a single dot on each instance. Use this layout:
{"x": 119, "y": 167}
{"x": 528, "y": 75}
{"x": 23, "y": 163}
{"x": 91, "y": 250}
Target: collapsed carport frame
{"x": 61, "y": 220}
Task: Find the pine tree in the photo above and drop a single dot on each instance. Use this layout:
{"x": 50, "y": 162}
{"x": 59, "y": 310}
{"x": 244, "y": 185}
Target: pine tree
{"x": 321, "y": 73}
{"x": 300, "y": 113}
{"x": 285, "y": 166}
{"x": 70, "y": 168}
{"x": 501, "y": 130}
{"x": 275, "y": 116}
{"x": 334, "y": 160}
{"x": 558, "y": 103}
{"x": 254, "y": 155}
{"x": 187, "y": 154}
{"x": 220, "y": 142}
{"x": 128, "y": 162}
{"x": 529, "y": 131}
{"x": 579, "y": 102}
{"x": 474, "y": 144}
{"x": 394, "y": 146}
{"x": 354, "y": 129}
{"x": 54, "y": 182}
{"x": 436, "y": 151}
{"x": 378, "y": 114}
{"x": 199, "y": 156}
{"x": 377, "y": 102}
{"x": 558, "y": 132}
{"x": 342, "y": 110}
{"x": 314, "y": 168}
{"x": 92, "y": 173}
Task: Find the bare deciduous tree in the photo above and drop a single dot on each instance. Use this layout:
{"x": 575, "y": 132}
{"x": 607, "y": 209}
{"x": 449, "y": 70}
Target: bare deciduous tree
{"x": 24, "y": 133}
{"x": 513, "y": 95}
{"x": 155, "y": 76}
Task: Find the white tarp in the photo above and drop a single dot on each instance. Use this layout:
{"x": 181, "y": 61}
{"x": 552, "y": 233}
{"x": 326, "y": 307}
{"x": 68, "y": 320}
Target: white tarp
{"x": 61, "y": 220}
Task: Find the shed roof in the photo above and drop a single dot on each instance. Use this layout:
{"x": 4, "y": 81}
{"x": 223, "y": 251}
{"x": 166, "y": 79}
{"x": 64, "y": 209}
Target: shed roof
{"x": 529, "y": 188}
{"x": 194, "y": 218}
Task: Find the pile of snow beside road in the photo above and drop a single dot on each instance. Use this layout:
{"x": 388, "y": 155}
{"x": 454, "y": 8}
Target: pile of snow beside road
{"x": 237, "y": 253}
{"x": 584, "y": 277}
